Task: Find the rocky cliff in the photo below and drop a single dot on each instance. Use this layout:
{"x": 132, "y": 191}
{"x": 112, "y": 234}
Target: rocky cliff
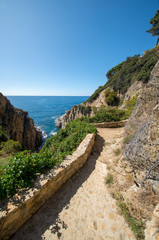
{"x": 142, "y": 131}
{"x": 126, "y": 80}
{"x": 89, "y": 108}
{"x": 18, "y": 125}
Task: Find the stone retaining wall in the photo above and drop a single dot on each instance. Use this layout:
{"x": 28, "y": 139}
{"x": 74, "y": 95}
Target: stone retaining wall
{"x": 110, "y": 124}
{"x": 17, "y": 210}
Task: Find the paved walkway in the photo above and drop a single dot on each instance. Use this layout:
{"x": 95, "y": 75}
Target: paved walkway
{"x": 82, "y": 209}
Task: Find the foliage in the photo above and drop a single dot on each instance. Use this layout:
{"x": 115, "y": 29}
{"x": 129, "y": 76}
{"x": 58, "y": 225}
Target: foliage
{"x": 117, "y": 151}
{"x": 111, "y": 97}
{"x": 106, "y": 115}
{"x": 132, "y": 216}
{"x": 95, "y": 94}
{"x": 128, "y": 139}
{"x": 85, "y": 110}
{"x": 109, "y": 179}
{"x": 23, "y": 167}
{"x": 130, "y": 104}
{"x": 10, "y": 146}
{"x": 155, "y": 25}
{"x": 135, "y": 68}
{"x": 112, "y": 71}
{"x": 3, "y": 135}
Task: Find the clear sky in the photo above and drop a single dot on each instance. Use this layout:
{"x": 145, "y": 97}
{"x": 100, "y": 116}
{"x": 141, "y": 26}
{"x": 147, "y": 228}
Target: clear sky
{"x": 65, "y": 47}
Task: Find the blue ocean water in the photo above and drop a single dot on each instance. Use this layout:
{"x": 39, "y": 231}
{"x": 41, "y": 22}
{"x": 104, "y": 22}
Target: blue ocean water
{"x": 44, "y": 110}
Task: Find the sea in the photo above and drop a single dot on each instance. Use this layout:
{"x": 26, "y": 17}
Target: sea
{"x": 45, "y": 110}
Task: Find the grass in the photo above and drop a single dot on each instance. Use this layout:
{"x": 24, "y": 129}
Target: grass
{"x": 132, "y": 217}
{"x": 128, "y": 139}
{"x": 117, "y": 151}
{"x": 109, "y": 179}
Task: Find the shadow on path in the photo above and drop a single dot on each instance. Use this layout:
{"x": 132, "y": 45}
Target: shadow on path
{"x": 47, "y": 217}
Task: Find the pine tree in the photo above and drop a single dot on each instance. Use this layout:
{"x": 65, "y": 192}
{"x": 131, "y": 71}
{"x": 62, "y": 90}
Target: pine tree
{"x": 155, "y": 26}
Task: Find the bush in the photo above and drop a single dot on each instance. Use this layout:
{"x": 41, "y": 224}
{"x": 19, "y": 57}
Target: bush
{"x": 109, "y": 179}
{"x": 117, "y": 151}
{"x": 130, "y": 104}
{"x": 22, "y": 167}
{"x": 85, "y": 110}
{"x": 106, "y": 115}
{"x": 10, "y": 146}
{"x": 111, "y": 97}
{"x": 3, "y": 135}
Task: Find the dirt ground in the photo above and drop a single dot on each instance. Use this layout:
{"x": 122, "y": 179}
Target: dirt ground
{"x": 83, "y": 208}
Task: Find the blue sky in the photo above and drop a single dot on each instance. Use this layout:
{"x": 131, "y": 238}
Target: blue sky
{"x": 65, "y": 47}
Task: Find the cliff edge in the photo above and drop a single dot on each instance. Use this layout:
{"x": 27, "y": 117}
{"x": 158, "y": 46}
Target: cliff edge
{"x": 18, "y": 125}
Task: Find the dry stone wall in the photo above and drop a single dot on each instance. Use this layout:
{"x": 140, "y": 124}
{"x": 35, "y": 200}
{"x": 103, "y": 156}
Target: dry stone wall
{"x": 16, "y": 211}
{"x": 110, "y": 124}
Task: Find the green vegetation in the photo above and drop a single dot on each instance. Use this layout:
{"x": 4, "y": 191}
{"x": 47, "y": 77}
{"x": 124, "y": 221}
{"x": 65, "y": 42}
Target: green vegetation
{"x": 109, "y": 179}
{"x": 127, "y": 139}
{"x": 3, "y": 135}
{"x": 85, "y": 110}
{"x": 136, "y": 68}
{"x": 132, "y": 217}
{"x": 23, "y": 167}
{"x": 133, "y": 69}
{"x": 155, "y": 26}
{"x": 95, "y": 94}
{"x": 111, "y": 97}
{"x": 112, "y": 71}
{"x": 130, "y": 104}
{"x": 10, "y": 147}
{"x": 117, "y": 151}
{"x": 105, "y": 114}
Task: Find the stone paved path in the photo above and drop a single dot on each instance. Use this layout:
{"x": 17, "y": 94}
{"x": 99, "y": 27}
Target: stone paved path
{"x": 82, "y": 209}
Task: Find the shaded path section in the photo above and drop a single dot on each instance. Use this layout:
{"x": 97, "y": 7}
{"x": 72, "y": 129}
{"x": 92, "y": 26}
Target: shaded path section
{"x": 82, "y": 208}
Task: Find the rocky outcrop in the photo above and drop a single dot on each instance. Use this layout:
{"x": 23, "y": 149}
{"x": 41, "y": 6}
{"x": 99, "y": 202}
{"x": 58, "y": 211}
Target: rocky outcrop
{"x": 77, "y": 111}
{"x": 82, "y": 110}
{"x": 142, "y": 131}
{"x": 18, "y": 125}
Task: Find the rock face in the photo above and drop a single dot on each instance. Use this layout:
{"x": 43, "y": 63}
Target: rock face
{"x": 18, "y": 125}
{"x": 78, "y": 111}
{"x": 142, "y": 130}
{"x": 135, "y": 88}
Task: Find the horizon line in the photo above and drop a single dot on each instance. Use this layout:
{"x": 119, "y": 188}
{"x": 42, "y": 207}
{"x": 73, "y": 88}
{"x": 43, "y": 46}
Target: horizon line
{"x": 47, "y": 95}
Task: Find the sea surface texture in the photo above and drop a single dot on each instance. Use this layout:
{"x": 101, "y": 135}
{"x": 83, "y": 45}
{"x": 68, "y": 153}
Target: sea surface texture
{"x": 44, "y": 110}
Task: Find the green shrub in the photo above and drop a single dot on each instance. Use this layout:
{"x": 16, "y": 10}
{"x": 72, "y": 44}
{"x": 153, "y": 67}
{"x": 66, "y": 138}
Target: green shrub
{"x": 95, "y": 94}
{"x": 112, "y": 71}
{"x": 111, "y": 97}
{"x": 128, "y": 139}
{"x": 117, "y": 151}
{"x": 22, "y": 167}
{"x": 10, "y": 146}
{"x": 130, "y": 104}
{"x": 106, "y": 115}
{"x": 85, "y": 110}
{"x": 109, "y": 179}
{"x": 3, "y": 135}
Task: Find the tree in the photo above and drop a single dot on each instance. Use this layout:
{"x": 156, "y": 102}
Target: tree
{"x": 155, "y": 26}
